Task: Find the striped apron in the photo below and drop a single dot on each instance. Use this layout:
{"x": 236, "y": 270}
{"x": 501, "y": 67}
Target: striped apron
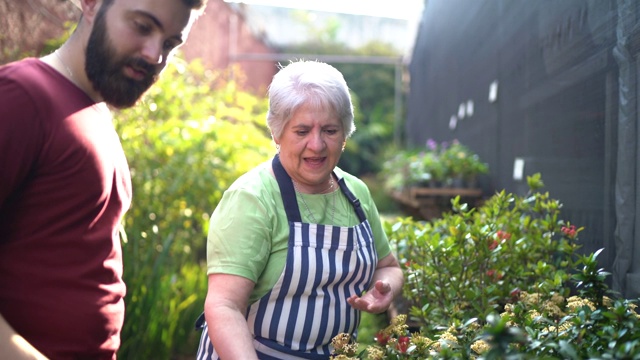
{"x": 307, "y": 307}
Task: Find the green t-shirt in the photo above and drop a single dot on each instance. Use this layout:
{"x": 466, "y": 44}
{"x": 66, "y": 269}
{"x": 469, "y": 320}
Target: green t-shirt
{"x": 249, "y": 232}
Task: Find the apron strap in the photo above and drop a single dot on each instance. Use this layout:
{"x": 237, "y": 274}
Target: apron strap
{"x": 353, "y": 200}
{"x": 289, "y": 194}
{"x": 287, "y": 190}
{"x": 200, "y": 322}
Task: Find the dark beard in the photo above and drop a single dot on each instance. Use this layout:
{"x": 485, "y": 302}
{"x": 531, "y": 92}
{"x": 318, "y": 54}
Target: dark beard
{"x": 105, "y": 69}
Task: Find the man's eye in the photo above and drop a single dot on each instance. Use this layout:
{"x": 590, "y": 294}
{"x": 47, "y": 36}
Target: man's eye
{"x": 143, "y": 28}
{"x": 302, "y": 132}
{"x": 169, "y": 45}
{"x": 332, "y": 131}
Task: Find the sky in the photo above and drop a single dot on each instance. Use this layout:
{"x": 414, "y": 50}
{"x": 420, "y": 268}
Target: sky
{"x": 397, "y": 9}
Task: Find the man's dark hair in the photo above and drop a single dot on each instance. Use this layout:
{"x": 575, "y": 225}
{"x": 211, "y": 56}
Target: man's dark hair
{"x": 193, "y": 4}
{"x": 196, "y": 4}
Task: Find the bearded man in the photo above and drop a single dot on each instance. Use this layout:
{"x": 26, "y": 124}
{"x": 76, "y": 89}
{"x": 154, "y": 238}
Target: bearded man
{"x": 64, "y": 178}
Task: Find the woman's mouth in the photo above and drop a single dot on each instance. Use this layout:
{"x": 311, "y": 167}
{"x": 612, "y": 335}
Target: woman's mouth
{"x": 315, "y": 162}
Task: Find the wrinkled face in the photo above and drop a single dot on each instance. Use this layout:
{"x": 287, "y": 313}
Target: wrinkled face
{"x": 130, "y": 44}
{"x": 311, "y": 145}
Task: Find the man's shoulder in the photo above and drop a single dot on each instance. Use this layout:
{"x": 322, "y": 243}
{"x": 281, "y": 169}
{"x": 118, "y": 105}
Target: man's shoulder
{"x": 29, "y": 74}
{"x": 22, "y": 68}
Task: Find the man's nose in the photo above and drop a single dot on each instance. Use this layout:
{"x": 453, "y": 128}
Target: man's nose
{"x": 152, "y": 52}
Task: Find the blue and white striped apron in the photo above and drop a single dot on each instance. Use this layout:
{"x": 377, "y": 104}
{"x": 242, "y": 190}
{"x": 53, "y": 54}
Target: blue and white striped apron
{"x": 307, "y": 307}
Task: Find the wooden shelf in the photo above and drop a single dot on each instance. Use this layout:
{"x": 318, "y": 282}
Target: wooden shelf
{"x": 417, "y": 192}
{"x": 428, "y": 202}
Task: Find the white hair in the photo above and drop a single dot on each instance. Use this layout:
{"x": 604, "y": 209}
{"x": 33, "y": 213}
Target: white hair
{"x": 308, "y": 82}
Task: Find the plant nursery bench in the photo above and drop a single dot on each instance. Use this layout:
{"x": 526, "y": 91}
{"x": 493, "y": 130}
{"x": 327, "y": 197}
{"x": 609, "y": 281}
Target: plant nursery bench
{"x": 430, "y": 202}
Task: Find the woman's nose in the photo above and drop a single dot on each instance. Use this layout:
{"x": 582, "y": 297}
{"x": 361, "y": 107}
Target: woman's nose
{"x": 316, "y": 141}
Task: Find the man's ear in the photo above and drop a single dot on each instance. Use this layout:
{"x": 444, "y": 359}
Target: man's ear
{"x": 90, "y": 9}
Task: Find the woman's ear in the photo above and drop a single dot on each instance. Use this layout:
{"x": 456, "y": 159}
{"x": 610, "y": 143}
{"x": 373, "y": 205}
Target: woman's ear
{"x": 276, "y": 141}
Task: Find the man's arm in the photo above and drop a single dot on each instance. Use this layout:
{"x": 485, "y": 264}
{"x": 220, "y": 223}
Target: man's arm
{"x": 14, "y": 346}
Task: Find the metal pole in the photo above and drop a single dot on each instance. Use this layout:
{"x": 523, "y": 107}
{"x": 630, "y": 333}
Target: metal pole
{"x": 397, "y": 129}
{"x": 353, "y": 59}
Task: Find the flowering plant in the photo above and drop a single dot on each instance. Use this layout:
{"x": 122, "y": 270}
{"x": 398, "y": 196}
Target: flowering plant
{"x": 534, "y": 325}
{"x": 461, "y": 162}
{"x": 495, "y": 283}
{"x": 472, "y": 259}
{"x": 393, "y": 342}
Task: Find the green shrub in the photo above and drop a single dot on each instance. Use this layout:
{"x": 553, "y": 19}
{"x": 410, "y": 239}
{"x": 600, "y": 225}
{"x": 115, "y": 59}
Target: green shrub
{"x": 474, "y": 260}
{"x": 558, "y": 306}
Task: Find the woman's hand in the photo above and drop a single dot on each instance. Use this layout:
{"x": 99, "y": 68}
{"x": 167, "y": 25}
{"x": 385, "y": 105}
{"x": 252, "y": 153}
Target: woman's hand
{"x": 387, "y": 284}
{"x": 376, "y": 300}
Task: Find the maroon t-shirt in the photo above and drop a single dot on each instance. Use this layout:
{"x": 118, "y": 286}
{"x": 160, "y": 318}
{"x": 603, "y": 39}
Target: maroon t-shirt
{"x": 64, "y": 186}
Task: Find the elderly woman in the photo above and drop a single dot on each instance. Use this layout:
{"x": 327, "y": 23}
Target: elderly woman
{"x": 295, "y": 248}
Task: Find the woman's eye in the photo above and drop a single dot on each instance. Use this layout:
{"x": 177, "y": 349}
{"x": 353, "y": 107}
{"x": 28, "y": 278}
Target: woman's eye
{"x": 302, "y": 132}
{"x": 332, "y": 131}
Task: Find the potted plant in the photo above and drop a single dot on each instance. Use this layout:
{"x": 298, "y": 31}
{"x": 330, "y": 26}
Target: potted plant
{"x": 438, "y": 164}
{"x": 463, "y": 165}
